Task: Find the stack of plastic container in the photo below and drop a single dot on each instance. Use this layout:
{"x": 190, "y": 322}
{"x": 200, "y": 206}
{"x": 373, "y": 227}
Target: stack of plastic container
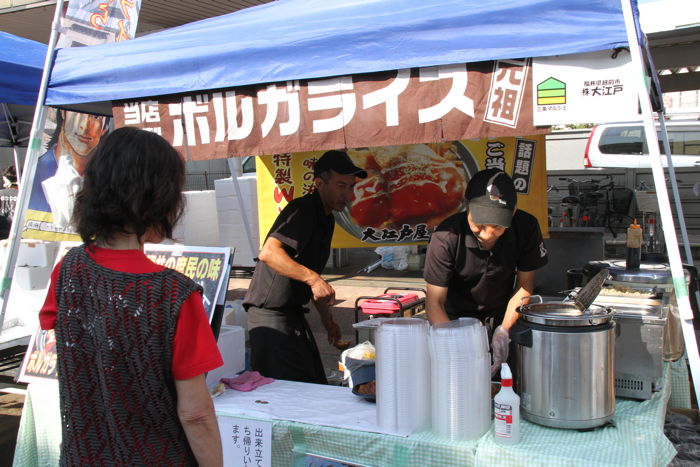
{"x": 403, "y": 375}
{"x": 461, "y": 372}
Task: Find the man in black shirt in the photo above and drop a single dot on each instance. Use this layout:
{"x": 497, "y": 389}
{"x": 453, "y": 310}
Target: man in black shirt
{"x": 287, "y": 276}
{"x": 481, "y": 262}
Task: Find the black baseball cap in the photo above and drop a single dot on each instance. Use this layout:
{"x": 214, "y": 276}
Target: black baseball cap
{"x": 340, "y": 162}
{"x": 492, "y": 198}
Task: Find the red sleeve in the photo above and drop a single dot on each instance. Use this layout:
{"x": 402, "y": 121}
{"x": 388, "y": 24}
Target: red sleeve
{"x": 194, "y": 349}
{"x": 47, "y": 314}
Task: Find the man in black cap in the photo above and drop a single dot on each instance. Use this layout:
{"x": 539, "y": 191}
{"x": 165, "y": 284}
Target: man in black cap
{"x": 287, "y": 276}
{"x": 481, "y": 262}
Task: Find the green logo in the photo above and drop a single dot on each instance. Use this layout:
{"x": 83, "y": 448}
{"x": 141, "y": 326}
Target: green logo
{"x": 551, "y": 91}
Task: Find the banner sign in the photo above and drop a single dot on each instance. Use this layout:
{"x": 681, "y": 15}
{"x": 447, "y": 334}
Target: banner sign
{"x": 573, "y": 89}
{"x": 410, "y": 188}
{"x": 69, "y": 140}
{"x": 442, "y": 103}
{"x": 209, "y": 267}
{"x": 70, "y": 137}
{"x": 89, "y": 22}
{"x": 40, "y": 362}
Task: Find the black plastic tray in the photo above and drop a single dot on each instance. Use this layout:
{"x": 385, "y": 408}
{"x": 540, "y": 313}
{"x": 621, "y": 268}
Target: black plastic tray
{"x": 367, "y": 397}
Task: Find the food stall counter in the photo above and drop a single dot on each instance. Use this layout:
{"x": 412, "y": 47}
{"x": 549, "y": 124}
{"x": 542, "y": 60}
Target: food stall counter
{"x": 332, "y": 422}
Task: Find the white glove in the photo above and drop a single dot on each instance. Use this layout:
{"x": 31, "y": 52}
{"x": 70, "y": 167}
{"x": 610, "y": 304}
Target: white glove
{"x": 499, "y": 348}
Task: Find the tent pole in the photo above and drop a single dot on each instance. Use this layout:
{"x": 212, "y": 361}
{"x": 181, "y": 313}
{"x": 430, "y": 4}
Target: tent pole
{"x": 246, "y": 224}
{"x": 11, "y": 132}
{"x": 30, "y": 163}
{"x": 679, "y": 284}
{"x": 15, "y": 155}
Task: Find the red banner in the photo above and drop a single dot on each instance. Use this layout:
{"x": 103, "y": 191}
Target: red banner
{"x": 453, "y": 102}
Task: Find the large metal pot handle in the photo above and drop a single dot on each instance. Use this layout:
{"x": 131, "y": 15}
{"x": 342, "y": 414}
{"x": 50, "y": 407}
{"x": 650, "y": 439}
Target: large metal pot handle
{"x": 531, "y": 297}
{"x": 521, "y": 334}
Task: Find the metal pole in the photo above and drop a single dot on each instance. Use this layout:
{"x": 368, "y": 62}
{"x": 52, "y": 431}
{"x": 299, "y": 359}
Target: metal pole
{"x": 249, "y": 235}
{"x": 30, "y": 163}
{"x": 14, "y": 141}
{"x": 679, "y": 284}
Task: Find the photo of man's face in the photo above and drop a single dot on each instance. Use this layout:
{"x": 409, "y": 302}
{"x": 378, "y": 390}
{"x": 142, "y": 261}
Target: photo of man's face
{"x": 82, "y": 132}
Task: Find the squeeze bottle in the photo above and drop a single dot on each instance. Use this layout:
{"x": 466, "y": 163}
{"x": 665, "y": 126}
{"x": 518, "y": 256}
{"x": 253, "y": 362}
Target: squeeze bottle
{"x": 634, "y": 246}
{"x": 506, "y": 409}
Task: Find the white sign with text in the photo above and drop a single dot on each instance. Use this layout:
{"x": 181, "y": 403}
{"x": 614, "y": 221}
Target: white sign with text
{"x": 246, "y": 442}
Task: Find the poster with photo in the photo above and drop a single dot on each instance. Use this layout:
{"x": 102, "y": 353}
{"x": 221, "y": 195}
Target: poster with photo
{"x": 207, "y": 266}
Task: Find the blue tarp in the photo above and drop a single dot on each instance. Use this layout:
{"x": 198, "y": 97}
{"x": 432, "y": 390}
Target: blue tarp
{"x": 21, "y": 65}
{"x": 303, "y": 39}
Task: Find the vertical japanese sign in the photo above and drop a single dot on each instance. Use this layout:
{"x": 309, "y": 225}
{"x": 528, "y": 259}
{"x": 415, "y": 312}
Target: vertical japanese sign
{"x": 410, "y": 188}
{"x": 584, "y": 88}
{"x": 70, "y": 137}
{"x": 40, "y": 360}
{"x": 207, "y": 266}
{"x": 246, "y": 442}
{"x": 507, "y": 91}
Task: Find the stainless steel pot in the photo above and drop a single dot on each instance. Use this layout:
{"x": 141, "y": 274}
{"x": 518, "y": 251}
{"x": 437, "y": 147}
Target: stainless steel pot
{"x": 565, "y": 361}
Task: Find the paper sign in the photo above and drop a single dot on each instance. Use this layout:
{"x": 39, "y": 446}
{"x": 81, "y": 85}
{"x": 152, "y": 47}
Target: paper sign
{"x": 584, "y": 88}
{"x": 246, "y": 442}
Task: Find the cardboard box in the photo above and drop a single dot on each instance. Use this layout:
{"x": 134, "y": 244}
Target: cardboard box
{"x": 32, "y": 277}
{"x": 231, "y": 344}
{"x": 36, "y": 253}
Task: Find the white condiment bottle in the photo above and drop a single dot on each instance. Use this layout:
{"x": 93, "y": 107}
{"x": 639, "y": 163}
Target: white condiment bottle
{"x": 506, "y": 409}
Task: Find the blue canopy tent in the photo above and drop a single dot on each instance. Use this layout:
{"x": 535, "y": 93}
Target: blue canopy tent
{"x": 310, "y": 39}
{"x": 21, "y": 65}
{"x": 293, "y": 39}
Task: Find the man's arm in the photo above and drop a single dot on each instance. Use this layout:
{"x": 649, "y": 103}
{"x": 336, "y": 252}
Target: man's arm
{"x": 274, "y": 255}
{"x": 195, "y": 410}
{"x": 331, "y": 326}
{"x": 435, "y": 298}
{"x": 524, "y": 286}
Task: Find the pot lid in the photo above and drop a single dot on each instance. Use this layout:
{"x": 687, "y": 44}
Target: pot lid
{"x": 564, "y": 314}
{"x": 648, "y": 273}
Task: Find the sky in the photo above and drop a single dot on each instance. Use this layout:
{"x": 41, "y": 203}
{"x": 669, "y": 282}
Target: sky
{"x": 661, "y": 15}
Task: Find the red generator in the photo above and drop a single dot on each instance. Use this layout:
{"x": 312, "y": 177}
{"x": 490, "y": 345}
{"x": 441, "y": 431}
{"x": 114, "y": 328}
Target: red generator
{"x": 390, "y": 305}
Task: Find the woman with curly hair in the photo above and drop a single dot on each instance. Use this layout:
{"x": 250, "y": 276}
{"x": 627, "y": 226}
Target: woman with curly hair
{"x": 133, "y": 339}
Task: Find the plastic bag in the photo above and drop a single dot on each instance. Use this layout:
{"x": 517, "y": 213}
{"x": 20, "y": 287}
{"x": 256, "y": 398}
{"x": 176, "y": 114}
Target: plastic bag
{"x": 358, "y": 363}
{"x": 394, "y": 257}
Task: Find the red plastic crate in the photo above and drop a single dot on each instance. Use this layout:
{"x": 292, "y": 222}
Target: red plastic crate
{"x": 376, "y": 306}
